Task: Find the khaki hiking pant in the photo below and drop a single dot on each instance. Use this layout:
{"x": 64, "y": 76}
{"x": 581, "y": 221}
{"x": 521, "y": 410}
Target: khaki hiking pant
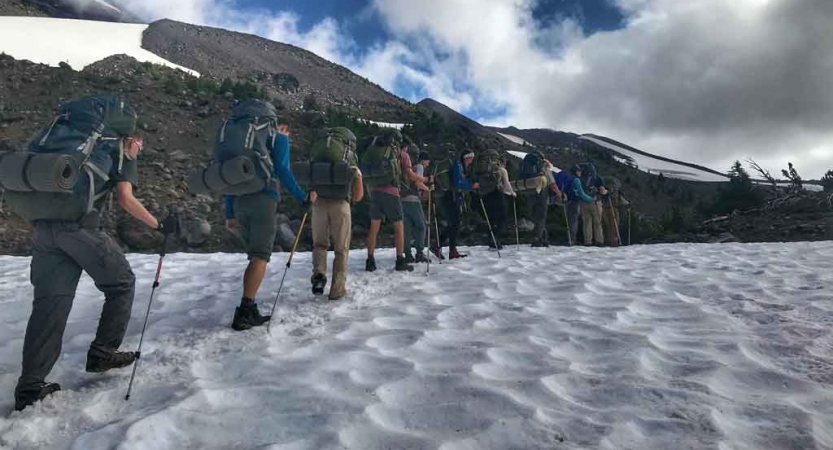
{"x": 611, "y": 222}
{"x": 591, "y": 216}
{"x": 331, "y": 224}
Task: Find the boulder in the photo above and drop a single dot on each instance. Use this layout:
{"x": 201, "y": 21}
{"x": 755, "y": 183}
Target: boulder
{"x": 285, "y": 237}
{"x": 525, "y": 225}
{"x": 195, "y": 231}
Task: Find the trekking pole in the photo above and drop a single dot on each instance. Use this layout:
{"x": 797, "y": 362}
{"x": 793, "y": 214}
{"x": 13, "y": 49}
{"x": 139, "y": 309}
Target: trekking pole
{"x": 515, "y": 210}
{"x": 613, "y": 218}
{"x": 428, "y": 229}
{"x": 567, "y": 222}
{"x": 486, "y": 215}
{"x": 437, "y": 229}
{"x": 629, "y": 226}
{"x": 288, "y": 265}
{"x": 147, "y": 315}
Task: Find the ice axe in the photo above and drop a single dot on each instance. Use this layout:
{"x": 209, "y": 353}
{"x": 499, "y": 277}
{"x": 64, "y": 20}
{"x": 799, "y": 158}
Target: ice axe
{"x": 491, "y": 231}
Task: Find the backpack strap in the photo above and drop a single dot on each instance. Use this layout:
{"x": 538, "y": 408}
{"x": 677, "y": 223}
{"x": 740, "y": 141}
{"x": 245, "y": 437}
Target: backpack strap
{"x": 51, "y": 126}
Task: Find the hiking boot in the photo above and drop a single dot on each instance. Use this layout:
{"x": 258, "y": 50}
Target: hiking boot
{"x": 402, "y": 266}
{"x": 539, "y": 244}
{"x": 100, "y": 359}
{"x": 421, "y": 258}
{"x": 248, "y": 316}
{"x": 370, "y": 264}
{"x": 409, "y": 258}
{"x": 27, "y": 396}
{"x": 437, "y": 251}
{"x": 319, "y": 282}
{"x": 454, "y": 254}
{"x": 337, "y": 291}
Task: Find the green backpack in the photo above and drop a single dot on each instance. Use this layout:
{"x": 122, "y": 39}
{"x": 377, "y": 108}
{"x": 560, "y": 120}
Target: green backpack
{"x": 333, "y": 145}
{"x": 487, "y": 171}
{"x": 380, "y": 162}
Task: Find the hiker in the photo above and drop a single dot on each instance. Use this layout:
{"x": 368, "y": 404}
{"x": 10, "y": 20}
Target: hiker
{"x": 591, "y": 212}
{"x": 254, "y": 131}
{"x": 611, "y": 202}
{"x": 68, "y": 238}
{"x": 331, "y": 212}
{"x": 536, "y": 166}
{"x": 415, "y": 225}
{"x": 494, "y": 201}
{"x": 570, "y": 184}
{"x": 452, "y": 203}
{"x": 386, "y": 168}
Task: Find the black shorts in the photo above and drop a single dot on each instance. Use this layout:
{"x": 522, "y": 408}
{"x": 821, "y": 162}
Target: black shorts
{"x": 384, "y": 206}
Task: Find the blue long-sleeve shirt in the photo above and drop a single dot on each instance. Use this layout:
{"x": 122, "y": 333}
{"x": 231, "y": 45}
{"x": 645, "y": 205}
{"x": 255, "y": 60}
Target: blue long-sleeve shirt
{"x": 458, "y": 177}
{"x": 571, "y": 186}
{"x": 280, "y": 170}
{"x": 579, "y": 191}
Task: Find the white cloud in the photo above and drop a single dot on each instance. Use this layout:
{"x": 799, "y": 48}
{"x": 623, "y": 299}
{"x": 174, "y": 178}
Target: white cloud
{"x": 703, "y": 80}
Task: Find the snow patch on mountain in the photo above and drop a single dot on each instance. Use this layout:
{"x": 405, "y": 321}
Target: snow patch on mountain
{"x": 107, "y": 5}
{"x": 516, "y": 139}
{"x": 78, "y": 43}
{"x": 657, "y": 166}
{"x": 398, "y": 126}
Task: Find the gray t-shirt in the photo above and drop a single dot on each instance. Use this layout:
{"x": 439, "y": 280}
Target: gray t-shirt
{"x": 414, "y": 198}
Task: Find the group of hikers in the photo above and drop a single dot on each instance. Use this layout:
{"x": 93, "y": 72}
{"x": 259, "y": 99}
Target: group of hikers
{"x": 88, "y": 154}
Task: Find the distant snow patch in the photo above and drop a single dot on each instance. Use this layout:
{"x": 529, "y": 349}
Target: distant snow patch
{"x": 106, "y": 5}
{"x": 656, "y": 166}
{"x": 398, "y": 126}
{"x": 78, "y": 43}
{"x": 516, "y": 139}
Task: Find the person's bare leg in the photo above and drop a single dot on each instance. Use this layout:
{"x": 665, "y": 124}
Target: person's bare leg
{"x": 253, "y": 277}
{"x": 399, "y": 238}
{"x": 375, "y": 226}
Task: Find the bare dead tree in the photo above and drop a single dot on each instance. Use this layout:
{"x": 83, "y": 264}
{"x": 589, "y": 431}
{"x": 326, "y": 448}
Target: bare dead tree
{"x": 765, "y": 174}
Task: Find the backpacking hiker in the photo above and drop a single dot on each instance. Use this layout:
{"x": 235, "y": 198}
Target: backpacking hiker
{"x": 98, "y": 136}
{"x": 591, "y": 212}
{"x": 254, "y": 132}
{"x": 452, "y": 202}
{"x": 611, "y": 201}
{"x": 387, "y": 168}
{"x": 570, "y": 184}
{"x": 415, "y": 225}
{"x": 331, "y": 212}
{"x": 535, "y": 165}
{"x": 489, "y": 171}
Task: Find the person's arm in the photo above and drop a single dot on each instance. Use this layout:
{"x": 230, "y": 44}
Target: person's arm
{"x": 507, "y": 186}
{"x": 126, "y": 199}
{"x": 579, "y": 190}
{"x": 280, "y": 158}
{"x": 358, "y": 186}
{"x": 228, "y": 207}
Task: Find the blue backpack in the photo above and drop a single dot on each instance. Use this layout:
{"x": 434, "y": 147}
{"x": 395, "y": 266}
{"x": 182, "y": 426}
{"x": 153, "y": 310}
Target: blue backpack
{"x": 250, "y": 132}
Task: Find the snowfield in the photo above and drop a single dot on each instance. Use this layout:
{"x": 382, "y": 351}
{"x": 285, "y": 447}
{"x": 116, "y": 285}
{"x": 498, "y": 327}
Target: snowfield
{"x": 78, "y": 43}
{"x": 724, "y": 347}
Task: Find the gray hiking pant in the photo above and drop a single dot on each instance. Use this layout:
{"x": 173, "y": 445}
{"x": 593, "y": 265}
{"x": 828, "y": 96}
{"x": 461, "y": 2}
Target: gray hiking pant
{"x": 60, "y": 252}
{"x": 414, "y": 226}
{"x": 540, "y": 206}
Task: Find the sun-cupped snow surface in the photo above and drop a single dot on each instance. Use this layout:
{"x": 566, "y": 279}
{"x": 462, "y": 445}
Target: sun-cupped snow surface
{"x": 516, "y": 139}
{"x": 656, "y": 166}
{"x": 78, "y": 43}
{"x": 646, "y": 347}
{"x": 522, "y": 155}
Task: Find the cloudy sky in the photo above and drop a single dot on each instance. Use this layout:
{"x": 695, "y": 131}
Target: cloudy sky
{"x": 707, "y": 81}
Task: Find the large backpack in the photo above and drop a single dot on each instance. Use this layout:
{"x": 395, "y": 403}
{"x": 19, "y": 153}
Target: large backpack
{"x": 250, "y": 132}
{"x": 380, "y": 162}
{"x": 63, "y": 174}
{"x": 533, "y": 165}
{"x": 487, "y": 171}
{"x": 330, "y": 171}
